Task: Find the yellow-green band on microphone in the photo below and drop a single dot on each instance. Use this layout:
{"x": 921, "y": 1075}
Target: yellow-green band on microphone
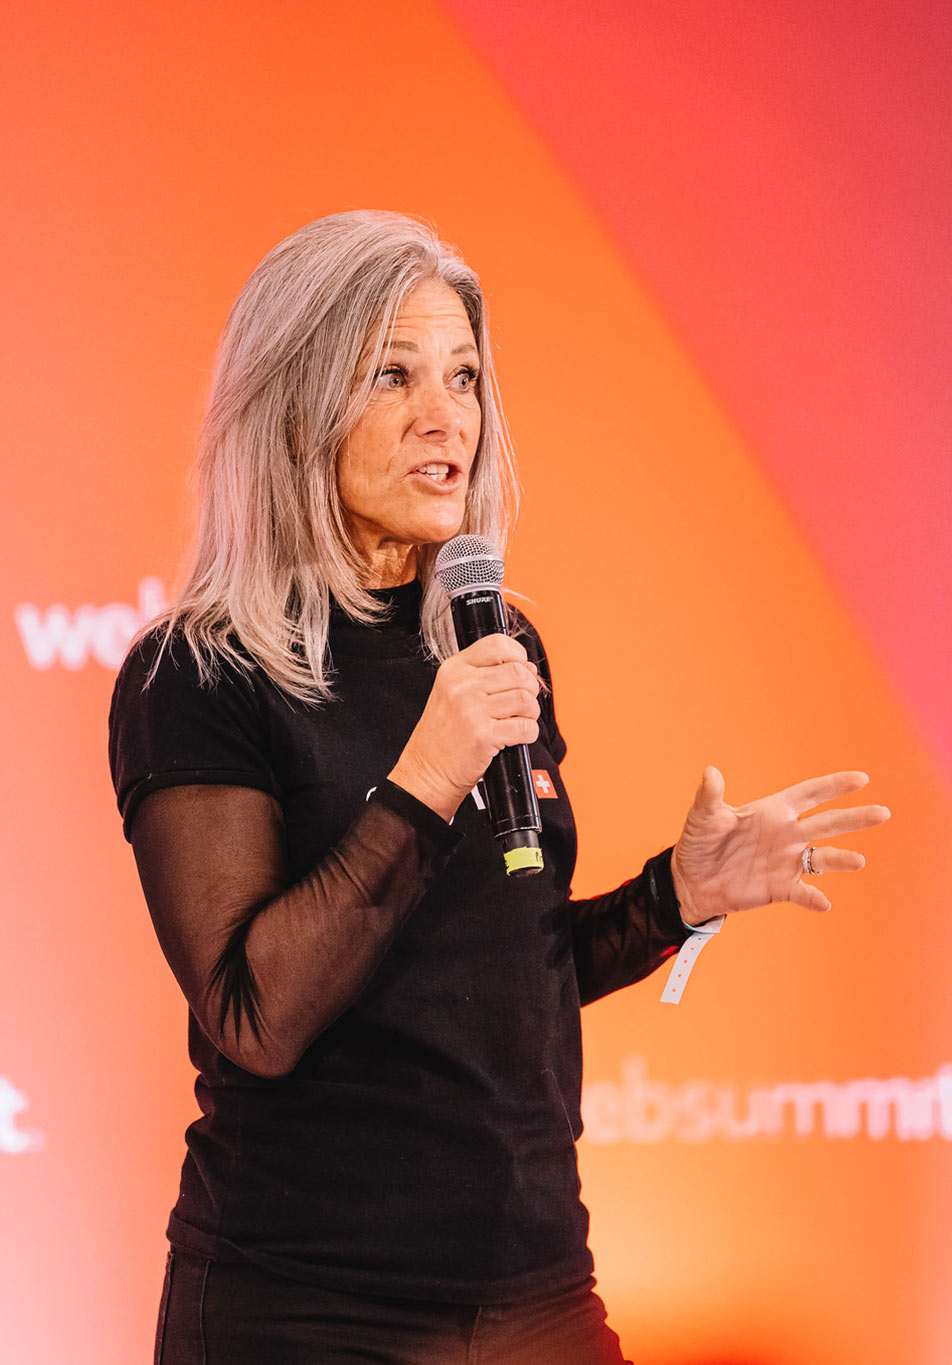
{"x": 518, "y": 859}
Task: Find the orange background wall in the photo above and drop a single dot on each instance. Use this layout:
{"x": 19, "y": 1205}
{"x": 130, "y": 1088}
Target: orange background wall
{"x": 715, "y": 247}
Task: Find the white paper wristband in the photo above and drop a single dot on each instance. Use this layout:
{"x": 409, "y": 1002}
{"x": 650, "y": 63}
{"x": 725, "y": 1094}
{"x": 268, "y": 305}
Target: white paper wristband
{"x": 686, "y": 958}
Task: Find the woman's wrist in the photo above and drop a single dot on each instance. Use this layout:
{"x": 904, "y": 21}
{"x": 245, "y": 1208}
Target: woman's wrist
{"x": 689, "y": 911}
{"x": 426, "y": 787}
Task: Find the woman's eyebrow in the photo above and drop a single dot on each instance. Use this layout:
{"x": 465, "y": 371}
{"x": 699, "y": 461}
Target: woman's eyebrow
{"x": 398, "y": 345}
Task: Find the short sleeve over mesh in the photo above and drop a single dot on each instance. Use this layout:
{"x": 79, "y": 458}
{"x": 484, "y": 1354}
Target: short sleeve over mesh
{"x": 178, "y": 731}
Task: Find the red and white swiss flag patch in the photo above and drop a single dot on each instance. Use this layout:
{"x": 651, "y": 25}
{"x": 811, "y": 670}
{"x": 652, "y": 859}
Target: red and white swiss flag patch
{"x": 544, "y": 786}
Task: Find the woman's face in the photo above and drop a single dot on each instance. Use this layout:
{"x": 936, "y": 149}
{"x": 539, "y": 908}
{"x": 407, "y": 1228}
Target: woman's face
{"x": 404, "y": 469}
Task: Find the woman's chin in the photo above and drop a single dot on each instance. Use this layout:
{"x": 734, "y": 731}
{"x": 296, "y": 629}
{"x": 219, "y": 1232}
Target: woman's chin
{"x": 432, "y": 526}
{"x": 440, "y": 529}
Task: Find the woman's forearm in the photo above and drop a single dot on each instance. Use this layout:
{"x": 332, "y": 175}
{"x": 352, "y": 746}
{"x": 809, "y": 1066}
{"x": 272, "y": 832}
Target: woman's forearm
{"x": 267, "y": 967}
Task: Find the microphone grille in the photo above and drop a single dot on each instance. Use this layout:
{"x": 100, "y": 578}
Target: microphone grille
{"x": 468, "y": 562}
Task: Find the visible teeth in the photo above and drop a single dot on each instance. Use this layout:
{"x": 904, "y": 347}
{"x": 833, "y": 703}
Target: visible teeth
{"x": 435, "y": 471}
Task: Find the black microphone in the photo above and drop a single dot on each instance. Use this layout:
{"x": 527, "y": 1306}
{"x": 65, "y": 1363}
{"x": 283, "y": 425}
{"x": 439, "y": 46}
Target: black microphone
{"x": 471, "y": 570}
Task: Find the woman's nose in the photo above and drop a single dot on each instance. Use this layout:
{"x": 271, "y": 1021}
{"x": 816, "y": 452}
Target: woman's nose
{"x": 437, "y": 416}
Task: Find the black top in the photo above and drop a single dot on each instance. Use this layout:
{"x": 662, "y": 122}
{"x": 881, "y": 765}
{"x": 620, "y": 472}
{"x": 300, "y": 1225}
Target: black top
{"x": 386, "y": 1027}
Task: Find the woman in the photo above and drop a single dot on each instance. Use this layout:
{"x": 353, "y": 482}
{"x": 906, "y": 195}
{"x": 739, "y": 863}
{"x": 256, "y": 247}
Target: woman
{"x": 386, "y": 1028}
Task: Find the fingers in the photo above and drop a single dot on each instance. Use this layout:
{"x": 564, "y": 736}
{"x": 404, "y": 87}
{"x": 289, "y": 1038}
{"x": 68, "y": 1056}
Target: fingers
{"x": 710, "y": 793}
{"x": 503, "y": 665}
{"x": 830, "y": 823}
{"x": 809, "y": 896}
{"x": 494, "y": 649}
{"x": 837, "y": 860}
{"x": 488, "y": 693}
{"x": 484, "y": 699}
{"x": 515, "y": 730}
{"x": 508, "y": 677}
{"x": 816, "y": 791}
{"x": 519, "y": 702}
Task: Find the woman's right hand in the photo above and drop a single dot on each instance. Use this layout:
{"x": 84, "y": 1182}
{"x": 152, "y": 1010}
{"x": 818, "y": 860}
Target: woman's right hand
{"x": 483, "y": 699}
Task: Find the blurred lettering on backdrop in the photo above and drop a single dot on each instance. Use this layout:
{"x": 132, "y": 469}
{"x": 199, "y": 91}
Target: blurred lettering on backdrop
{"x": 74, "y": 636}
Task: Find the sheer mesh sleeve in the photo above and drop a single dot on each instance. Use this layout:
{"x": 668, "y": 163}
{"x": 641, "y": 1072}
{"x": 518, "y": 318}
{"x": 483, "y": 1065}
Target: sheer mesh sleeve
{"x": 623, "y": 935}
{"x": 266, "y": 967}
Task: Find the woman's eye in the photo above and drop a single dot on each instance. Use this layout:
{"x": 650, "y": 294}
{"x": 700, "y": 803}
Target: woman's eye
{"x": 390, "y": 378}
{"x": 466, "y": 378}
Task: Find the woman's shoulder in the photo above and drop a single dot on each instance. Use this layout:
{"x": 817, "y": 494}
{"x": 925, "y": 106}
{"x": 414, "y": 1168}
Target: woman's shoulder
{"x": 522, "y": 629}
{"x": 176, "y": 719}
{"x": 525, "y": 632}
{"x": 164, "y": 658}
{"x": 165, "y": 686}
{"x": 154, "y": 647}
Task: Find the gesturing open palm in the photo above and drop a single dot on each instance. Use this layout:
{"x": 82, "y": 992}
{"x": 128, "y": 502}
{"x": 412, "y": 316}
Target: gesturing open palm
{"x": 732, "y": 858}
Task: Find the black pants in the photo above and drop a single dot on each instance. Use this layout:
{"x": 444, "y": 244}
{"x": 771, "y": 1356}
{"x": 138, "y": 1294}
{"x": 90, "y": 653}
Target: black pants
{"x": 217, "y": 1314}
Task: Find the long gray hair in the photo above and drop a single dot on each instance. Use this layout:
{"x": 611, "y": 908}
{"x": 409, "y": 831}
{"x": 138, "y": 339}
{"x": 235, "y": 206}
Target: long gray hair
{"x": 271, "y": 543}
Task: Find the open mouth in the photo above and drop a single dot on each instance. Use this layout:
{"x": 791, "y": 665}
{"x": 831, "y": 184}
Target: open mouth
{"x": 438, "y": 472}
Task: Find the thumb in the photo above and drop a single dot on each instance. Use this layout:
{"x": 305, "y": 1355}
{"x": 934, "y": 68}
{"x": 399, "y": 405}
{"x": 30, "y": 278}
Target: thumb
{"x": 710, "y": 793}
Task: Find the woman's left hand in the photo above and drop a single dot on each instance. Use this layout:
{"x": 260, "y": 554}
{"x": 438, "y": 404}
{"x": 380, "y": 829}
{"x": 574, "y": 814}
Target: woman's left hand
{"x": 735, "y": 857}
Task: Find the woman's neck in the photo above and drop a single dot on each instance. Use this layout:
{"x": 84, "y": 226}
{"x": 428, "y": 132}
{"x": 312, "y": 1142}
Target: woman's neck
{"x": 389, "y": 566}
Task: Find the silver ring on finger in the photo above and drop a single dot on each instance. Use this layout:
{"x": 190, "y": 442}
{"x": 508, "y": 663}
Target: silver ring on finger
{"x": 807, "y": 860}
